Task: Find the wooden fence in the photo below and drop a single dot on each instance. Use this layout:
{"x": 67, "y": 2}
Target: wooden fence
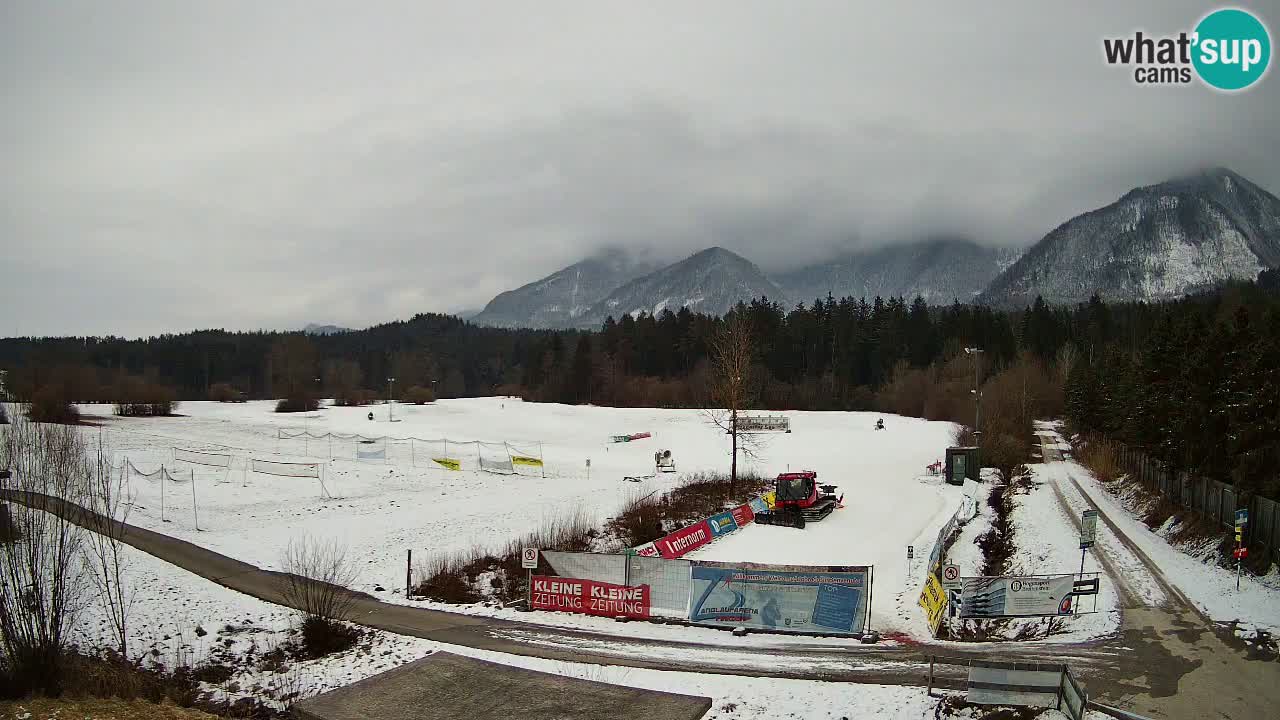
{"x": 1216, "y": 501}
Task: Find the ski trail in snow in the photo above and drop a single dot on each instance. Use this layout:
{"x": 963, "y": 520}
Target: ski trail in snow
{"x": 1144, "y": 583}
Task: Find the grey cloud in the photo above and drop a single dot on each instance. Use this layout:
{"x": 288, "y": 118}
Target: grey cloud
{"x": 246, "y": 166}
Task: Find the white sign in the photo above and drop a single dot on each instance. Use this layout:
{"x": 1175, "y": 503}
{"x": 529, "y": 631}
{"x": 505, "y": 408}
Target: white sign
{"x": 951, "y": 577}
{"x": 529, "y": 558}
{"x": 1017, "y": 596}
{"x": 1088, "y": 528}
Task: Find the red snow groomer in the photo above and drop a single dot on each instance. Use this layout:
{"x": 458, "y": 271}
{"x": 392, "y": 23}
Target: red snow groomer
{"x": 799, "y": 499}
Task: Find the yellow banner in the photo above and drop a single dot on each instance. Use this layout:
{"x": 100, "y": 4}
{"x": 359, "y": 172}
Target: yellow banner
{"x": 768, "y": 499}
{"x": 934, "y": 601}
{"x": 449, "y": 463}
{"x": 525, "y": 460}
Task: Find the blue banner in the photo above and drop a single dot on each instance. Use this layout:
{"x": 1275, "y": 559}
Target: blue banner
{"x": 786, "y": 598}
{"x": 758, "y": 505}
{"x": 722, "y": 524}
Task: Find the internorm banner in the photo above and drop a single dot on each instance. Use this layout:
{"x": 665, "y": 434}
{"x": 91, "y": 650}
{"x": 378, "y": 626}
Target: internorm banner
{"x": 992, "y": 597}
{"x": 526, "y": 460}
{"x": 786, "y": 598}
{"x": 684, "y": 540}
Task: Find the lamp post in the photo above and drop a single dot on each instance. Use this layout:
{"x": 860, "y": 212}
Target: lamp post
{"x": 977, "y": 393}
{"x": 391, "y": 397}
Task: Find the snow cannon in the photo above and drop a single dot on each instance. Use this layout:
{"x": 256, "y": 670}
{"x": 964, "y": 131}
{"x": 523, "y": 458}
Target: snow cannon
{"x": 799, "y": 499}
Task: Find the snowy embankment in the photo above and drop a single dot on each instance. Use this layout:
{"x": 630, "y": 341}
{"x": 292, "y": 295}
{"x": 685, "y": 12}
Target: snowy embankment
{"x": 381, "y": 509}
{"x": 1212, "y": 588}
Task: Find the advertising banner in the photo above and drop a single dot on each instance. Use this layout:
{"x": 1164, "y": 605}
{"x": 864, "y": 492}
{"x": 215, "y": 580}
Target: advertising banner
{"x": 768, "y": 499}
{"x": 526, "y": 460}
{"x": 448, "y": 463}
{"x": 990, "y": 597}
{"x": 685, "y": 540}
{"x": 590, "y": 597}
{"x": 647, "y": 550}
{"x": 743, "y": 514}
{"x": 721, "y": 524}
{"x": 787, "y": 598}
{"x": 764, "y": 423}
{"x": 933, "y": 598}
{"x": 758, "y": 505}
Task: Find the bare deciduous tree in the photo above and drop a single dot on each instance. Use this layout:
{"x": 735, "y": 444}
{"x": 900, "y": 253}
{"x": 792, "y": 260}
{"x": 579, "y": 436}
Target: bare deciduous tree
{"x": 42, "y": 579}
{"x": 318, "y": 575}
{"x": 732, "y": 348}
{"x": 105, "y": 556}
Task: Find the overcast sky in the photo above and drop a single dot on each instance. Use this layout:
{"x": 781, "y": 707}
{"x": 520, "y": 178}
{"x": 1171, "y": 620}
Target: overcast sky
{"x": 169, "y": 166}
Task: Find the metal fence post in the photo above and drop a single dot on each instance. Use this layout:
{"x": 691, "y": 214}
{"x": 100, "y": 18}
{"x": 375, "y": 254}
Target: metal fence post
{"x": 408, "y": 574}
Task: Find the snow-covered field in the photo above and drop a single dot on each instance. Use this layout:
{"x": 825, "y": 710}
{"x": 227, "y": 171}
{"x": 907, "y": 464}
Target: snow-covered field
{"x": 381, "y": 509}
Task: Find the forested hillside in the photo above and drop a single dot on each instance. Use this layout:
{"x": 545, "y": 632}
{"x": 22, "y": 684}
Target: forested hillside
{"x": 1174, "y": 377}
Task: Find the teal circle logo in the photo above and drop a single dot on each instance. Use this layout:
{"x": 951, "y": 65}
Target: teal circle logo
{"x": 1232, "y": 49}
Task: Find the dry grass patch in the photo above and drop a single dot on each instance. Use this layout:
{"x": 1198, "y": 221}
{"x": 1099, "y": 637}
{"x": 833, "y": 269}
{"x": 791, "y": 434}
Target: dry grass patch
{"x": 98, "y": 709}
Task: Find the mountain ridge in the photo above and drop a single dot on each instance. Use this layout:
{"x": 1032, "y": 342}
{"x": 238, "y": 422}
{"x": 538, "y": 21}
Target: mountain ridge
{"x": 1156, "y": 242}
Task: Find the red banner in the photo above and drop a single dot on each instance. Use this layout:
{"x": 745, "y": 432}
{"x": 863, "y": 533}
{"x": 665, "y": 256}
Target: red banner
{"x": 685, "y": 540}
{"x": 590, "y": 597}
{"x": 647, "y": 550}
{"x": 743, "y": 515}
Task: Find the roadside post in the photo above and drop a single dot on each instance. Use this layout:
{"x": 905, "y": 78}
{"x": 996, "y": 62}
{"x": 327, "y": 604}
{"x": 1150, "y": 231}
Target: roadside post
{"x": 529, "y": 561}
{"x": 1242, "y": 552}
{"x": 911, "y": 553}
{"x": 1088, "y": 535}
{"x": 408, "y": 573}
{"x": 588, "y": 469}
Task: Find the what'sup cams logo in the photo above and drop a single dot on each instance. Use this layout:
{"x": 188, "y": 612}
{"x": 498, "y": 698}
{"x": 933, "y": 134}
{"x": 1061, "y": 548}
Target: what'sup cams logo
{"x": 1229, "y": 49}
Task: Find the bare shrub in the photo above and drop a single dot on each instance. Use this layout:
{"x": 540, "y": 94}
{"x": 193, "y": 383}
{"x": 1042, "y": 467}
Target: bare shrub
{"x": 105, "y": 554}
{"x": 444, "y": 579}
{"x": 472, "y": 575}
{"x": 419, "y": 395}
{"x": 42, "y": 580}
{"x": 698, "y": 495}
{"x": 317, "y": 577}
{"x": 302, "y": 403}
{"x": 640, "y": 520}
{"x": 226, "y": 393}
{"x": 143, "y": 397}
{"x": 52, "y": 404}
{"x": 1100, "y": 457}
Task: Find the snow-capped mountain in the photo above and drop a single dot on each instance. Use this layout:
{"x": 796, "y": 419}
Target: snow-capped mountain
{"x": 941, "y": 270}
{"x": 1156, "y": 242}
{"x": 560, "y": 299}
{"x": 711, "y": 281}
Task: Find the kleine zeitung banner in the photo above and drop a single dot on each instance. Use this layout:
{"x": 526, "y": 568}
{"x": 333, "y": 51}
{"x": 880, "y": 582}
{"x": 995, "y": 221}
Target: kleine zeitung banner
{"x": 590, "y": 597}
